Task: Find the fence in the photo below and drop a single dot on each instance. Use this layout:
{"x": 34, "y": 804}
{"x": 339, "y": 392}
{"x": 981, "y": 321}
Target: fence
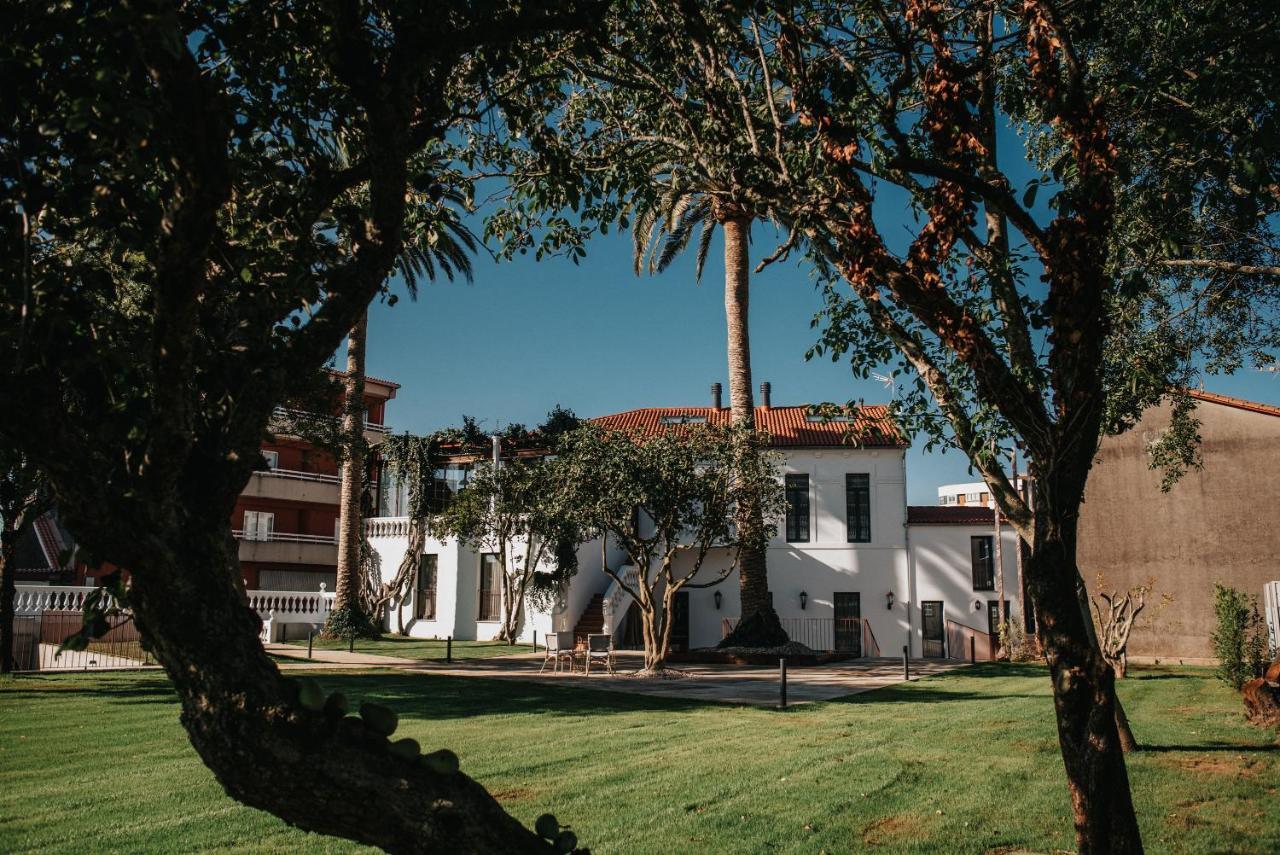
{"x": 855, "y": 634}
{"x": 1271, "y": 597}
{"x": 36, "y": 638}
{"x": 45, "y": 615}
{"x": 965, "y": 640}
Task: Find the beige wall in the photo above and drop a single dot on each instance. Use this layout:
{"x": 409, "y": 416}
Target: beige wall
{"x": 1219, "y": 523}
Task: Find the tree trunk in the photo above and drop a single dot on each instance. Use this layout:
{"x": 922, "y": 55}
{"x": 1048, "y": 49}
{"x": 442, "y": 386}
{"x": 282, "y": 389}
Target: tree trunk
{"x": 1083, "y": 682}
{"x": 758, "y": 624}
{"x": 8, "y": 590}
{"x": 347, "y": 589}
{"x": 244, "y": 721}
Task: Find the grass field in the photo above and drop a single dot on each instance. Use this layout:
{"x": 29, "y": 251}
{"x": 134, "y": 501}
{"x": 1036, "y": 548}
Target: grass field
{"x": 964, "y": 762}
{"x": 421, "y": 648}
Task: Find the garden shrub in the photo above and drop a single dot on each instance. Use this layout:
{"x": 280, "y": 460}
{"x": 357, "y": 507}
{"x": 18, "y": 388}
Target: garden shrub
{"x": 1240, "y": 639}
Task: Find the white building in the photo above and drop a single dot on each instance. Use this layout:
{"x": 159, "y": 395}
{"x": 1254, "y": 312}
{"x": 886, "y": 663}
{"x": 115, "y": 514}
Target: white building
{"x": 974, "y": 493}
{"x": 851, "y": 569}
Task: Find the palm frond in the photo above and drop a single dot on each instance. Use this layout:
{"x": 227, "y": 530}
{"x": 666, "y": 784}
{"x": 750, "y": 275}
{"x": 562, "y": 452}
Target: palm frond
{"x": 704, "y": 246}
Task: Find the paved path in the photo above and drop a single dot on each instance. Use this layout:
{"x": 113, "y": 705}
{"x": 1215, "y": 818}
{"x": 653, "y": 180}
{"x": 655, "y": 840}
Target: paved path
{"x": 734, "y": 684}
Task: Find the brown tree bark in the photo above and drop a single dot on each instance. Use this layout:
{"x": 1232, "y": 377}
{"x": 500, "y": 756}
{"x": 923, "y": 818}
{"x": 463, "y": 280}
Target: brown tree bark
{"x": 758, "y": 624}
{"x": 7, "y": 593}
{"x": 266, "y": 751}
{"x": 347, "y": 588}
{"x": 1083, "y": 682}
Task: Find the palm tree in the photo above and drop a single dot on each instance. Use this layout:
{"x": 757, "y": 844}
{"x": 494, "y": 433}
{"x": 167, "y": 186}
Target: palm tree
{"x": 436, "y": 243}
{"x": 662, "y": 231}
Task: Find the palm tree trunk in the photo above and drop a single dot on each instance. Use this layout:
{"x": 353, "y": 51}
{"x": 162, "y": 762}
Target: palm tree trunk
{"x": 347, "y": 589}
{"x": 758, "y": 625}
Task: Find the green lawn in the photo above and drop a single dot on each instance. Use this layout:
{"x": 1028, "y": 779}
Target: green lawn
{"x": 421, "y": 648}
{"x": 965, "y": 762}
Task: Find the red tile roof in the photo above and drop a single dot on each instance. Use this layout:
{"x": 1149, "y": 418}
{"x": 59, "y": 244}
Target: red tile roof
{"x": 872, "y": 426}
{"x": 1238, "y": 403}
{"x": 950, "y": 515}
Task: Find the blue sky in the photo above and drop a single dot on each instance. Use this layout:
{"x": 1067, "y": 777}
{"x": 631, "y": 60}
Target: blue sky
{"x": 594, "y": 337}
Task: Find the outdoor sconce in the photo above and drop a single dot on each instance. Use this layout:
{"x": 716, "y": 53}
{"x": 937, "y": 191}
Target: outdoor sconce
{"x": 977, "y": 605}
{"x": 804, "y": 599}
{"x": 888, "y": 600}
{"x": 718, "y": 597}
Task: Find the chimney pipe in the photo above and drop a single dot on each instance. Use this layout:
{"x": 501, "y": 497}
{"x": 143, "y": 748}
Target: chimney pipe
{"x": 765, "y": 389}
{"x": 497, "y": 450}
{"x": 715, "y": 396}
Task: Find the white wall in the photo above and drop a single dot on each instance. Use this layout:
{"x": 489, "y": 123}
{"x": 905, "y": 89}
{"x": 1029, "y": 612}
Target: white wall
{"x": 943, "y": 569}
{"x": 458, "y": 589}
{"x": 828, "y": 563}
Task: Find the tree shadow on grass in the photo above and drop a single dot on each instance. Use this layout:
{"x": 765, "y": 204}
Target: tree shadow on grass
{"x": 1144, "y": 748}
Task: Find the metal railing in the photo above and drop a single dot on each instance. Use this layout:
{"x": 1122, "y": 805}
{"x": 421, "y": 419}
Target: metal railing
{"x": 820, "y": 633}
{"x": 299, "y": 475}
{"x": 281, "y": 537}
{"x": 490, "y": 605}
{"x": 287, "y": 413}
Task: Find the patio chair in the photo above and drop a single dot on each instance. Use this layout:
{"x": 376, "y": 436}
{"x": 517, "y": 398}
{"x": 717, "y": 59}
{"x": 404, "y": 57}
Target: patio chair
{"x": 600, "y": 648}
{"x": 559, "y": 646}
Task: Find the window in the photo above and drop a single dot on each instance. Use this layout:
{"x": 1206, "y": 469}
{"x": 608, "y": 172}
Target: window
{"x": 857, "y": 497}
{"x": 797, "y": 508}
{"x": 258, "y": 525}
{"x": 426, "y": 607}
{"x": 984, "y": 574}
{"x": 272, "y": 458}
{"x": 448, "y": 482}
{"x": 490, "y": 594}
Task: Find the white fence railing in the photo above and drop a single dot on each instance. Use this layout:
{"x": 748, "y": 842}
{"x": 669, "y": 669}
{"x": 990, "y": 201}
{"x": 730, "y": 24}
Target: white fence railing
{"x": 387, "y": 527}
{"x": 45, "y": 615}
{"x": 282, "y": 537}
{"x": 617, "y": 600}
{"x": 1271, "y": 597}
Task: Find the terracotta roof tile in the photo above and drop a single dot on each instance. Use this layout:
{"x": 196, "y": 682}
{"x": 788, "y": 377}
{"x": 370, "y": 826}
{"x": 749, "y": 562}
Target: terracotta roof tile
{"x": 950, "y": 515}
{"x": 1238, "y": 403}
{"x": 791, "y": 427}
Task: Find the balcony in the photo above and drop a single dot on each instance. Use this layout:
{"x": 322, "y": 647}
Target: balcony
{"x": 283, "y": 417}
{"x": 294, "y": 485}
{"x": 285, "y": 548}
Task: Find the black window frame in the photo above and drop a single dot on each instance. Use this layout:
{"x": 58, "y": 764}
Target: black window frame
{"x": 979, "y": 562}
{"x": 796, "y": 486}
{"x": 861, "y": 482}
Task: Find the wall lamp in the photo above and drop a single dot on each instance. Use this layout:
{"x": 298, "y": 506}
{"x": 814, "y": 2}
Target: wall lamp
{"x": 718, "y": 598}
{"x": 804, "y": 599}
{"x": 977, "y": 605}
{"x": 888, "y": 600}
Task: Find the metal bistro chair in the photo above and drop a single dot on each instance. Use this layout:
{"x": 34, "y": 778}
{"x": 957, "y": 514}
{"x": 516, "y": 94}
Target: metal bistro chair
{"x": 600, "y": 648}
{"x": 559, "y": 646}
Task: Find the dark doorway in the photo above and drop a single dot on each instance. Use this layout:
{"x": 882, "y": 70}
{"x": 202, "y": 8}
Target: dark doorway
{"x": 993, "y": 621}
{"x": 632, "y": 631}
{"x": 680, "y": 622}
{"x": 931, "y": 624}
{"x": 848, "y": 628}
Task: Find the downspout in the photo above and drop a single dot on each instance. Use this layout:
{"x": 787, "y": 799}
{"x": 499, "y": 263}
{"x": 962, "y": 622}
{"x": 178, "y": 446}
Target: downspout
{"x": 911, "y": 560}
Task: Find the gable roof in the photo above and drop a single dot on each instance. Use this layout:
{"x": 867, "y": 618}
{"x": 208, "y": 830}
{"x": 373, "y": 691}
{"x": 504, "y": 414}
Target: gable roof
{"x": 1238, "y": 403}
{"x": 950, "y": 515}
{"x": 788, "y": 427}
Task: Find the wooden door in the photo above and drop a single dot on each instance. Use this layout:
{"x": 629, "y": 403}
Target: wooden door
{"x": 932, "y": 629}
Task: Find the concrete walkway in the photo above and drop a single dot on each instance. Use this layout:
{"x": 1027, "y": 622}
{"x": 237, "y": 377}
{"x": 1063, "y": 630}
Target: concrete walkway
{"x": 731, "y": 684}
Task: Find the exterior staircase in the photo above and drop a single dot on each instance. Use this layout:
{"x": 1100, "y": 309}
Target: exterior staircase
{"x": 592, "y": 620}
